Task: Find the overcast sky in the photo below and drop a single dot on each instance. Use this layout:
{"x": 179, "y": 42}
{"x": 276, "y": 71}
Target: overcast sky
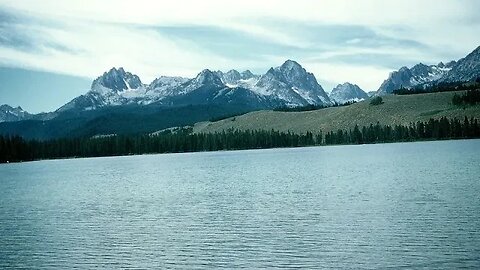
{"x": 357, "y": 41}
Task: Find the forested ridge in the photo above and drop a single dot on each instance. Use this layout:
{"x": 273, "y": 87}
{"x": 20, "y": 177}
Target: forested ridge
{"x": 15, "y": 148}
{"x": 439, "y": 87}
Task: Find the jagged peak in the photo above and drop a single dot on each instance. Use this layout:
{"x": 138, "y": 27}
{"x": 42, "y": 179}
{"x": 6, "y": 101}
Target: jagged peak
{"x": 347, "y": 84}
{"x": 235, "y": 74}
{"x": 206, "y": 72}
{"x": 166, "y": 80}
{"x": 208, "y": 76}
{"x": 270, "y": 71}
{"x": 346, "y": 92}
{"x": 232, "y": 75}
{"x": 233, "y": 71}
{"x": 451, "y": 63}
{"x": 5, "y": 106}
{"x": 8, "y": 107}
{"x": 247, "y": 73}
{"x": 291, "y": 64}
{"x": 291, "y": 67}
{"x": 420, "y": 65}
{"x": 421, "y": 68}
{"x": 115, "y": 71}
{"x": 288, "y": 67}
{"x": 117, "y": 80}
{"x": 161, "y": 77}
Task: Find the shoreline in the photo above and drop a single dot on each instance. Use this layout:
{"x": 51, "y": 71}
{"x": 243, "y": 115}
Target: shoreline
{"x": 236, "y": 150}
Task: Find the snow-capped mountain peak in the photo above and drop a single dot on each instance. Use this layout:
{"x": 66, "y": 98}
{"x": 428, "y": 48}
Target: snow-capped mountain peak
{"x": 234, "y": 78}
{"x": 247, "y": 74}
{"x": 419, "y": 74}
{"x": 296, "y": 75}
{"x": 347, "y": 92}
{"x": 207, "y": 77}
{"x": 162, "y": 87}
{"x": 166, "y": 81}
{"x": 231, "y": 77}
{"x": 465, "y": 69}
{"x": 293, "y": 84}
{"x": 291, "y": 65}
{"x": 287, "y": 85}
{"x": 115, "y": 87}
{"x": 9, "y": 113}
{"x": 116, "y": 80}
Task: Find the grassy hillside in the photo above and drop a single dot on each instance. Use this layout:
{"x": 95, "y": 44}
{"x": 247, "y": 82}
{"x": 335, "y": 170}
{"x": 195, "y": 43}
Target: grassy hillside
{"x": 394, "y": 110}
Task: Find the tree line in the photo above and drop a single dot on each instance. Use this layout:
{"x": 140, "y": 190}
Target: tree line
{"x": 312, "y": 107}
{"x": 438, "y": 87}
{"x": 376, "y": 101}
{"x": 15, "y": 148}
{"x": 433, "y": 129}
{"x": 470, "y": 97}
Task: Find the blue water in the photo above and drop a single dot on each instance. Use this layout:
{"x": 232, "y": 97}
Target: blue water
{"x": 406, "y": 205}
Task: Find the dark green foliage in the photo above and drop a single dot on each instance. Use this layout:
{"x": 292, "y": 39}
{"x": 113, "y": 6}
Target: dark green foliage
{"x": 376, "y": 101}
{"x": 125, "y": 120}
{"x": 14, "y": 148}
{"x": 182, "y": 140}
{"x": 442, "y": 128}
{"x": 470, "y": 97}
{"x": 311, "y": 107}
{"x": 215, "y": 119}
{"x": 300, "y": 109}
{"x": 440, "y": 87}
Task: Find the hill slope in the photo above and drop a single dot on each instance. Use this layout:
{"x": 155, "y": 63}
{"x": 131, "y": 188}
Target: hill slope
{"x": 131, "y": 119}
{"x": 394, "y": 110}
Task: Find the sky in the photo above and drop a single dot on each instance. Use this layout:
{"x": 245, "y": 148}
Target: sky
{"x": 50, "y": 51}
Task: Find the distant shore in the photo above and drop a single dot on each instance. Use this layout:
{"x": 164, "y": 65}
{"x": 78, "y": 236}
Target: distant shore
{"x": 235, "y": 150}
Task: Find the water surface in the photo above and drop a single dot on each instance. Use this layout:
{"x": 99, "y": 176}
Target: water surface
{"x": 406, "y": 205}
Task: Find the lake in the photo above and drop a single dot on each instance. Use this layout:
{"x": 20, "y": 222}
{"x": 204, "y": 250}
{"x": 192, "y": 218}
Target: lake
{"x": 404, "y": 205}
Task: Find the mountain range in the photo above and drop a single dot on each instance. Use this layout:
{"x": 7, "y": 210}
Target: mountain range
{"x": 118, "y": 101}
{"x": 421, "y": 75}
{"x": 287, "y": 85}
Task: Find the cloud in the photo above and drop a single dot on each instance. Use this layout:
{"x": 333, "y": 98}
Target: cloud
{"x": 357, "y": 41}
{"x": 231, "y": 43}
{"x": 371, "y": 59}
{"x": 24, "y": 33}
{"x": 323, "y": 34}
{"x": 87, "y": 48}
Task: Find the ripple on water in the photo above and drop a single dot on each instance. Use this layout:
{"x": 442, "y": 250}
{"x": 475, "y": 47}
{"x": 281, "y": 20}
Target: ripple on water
{"x": 410, "y": 205}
